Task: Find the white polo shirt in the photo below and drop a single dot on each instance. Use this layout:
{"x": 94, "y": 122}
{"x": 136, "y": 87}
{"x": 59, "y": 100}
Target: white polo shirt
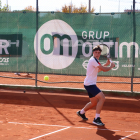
{"x": 92, "y": 72}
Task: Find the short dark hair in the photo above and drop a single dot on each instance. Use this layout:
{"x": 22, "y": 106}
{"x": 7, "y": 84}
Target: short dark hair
{"x": 97, "y": 48}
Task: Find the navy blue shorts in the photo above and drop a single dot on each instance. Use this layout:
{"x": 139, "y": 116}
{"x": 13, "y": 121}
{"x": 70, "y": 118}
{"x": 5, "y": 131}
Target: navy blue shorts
{"x": 92, "y": 90}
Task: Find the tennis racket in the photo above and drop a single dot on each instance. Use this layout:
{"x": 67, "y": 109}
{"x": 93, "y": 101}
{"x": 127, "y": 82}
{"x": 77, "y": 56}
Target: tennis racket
{"x": 105, "y": 51}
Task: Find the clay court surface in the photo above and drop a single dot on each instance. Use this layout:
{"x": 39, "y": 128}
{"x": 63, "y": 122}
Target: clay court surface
{"x": 38, "y": 115}
{"x": 119, "y": 83}
{"x": 52, "y": 116}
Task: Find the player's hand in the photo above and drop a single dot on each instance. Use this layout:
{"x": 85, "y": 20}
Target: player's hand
{"x": 112, "y": 65}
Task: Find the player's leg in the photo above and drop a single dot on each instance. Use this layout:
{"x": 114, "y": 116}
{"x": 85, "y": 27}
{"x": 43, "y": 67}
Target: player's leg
{"x": 101, "y": 100}
{"x": 97, "y": 101}
{"x": 93, "y": 102}
{"x": 92, "y": 92}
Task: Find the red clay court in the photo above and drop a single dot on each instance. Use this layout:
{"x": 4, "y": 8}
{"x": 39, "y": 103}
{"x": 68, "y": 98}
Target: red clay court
{"x": 58, "y": 43}
{"x": 52, "y": 116}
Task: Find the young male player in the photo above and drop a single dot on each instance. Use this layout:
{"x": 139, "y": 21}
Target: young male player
{"x": 96, "y": 96}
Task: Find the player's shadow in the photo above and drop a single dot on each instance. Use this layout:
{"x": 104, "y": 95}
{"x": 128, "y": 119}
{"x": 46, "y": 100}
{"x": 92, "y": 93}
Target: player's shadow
{"x": 106, "y": 133}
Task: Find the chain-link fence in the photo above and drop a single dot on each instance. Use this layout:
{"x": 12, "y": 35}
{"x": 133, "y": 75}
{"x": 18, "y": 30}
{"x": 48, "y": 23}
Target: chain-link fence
{"x": 35, "y": 44}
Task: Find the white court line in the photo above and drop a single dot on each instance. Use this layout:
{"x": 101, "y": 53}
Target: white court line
{"x": 63, "y": 126}
{"x": 66, "y": 127}
{"x": 38, "y": 124}
{"x": 128, "y": 135}
{"x": 49, "y": 133}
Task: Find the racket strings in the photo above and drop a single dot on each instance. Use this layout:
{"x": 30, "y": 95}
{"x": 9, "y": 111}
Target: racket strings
{"x": 105, "y": 50}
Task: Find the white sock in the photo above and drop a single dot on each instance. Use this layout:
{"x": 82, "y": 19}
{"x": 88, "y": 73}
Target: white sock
{"x": 97, "y": 115}
{"x": 82, "y": 111}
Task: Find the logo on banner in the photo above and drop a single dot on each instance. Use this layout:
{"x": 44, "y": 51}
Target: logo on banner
{"x": 10, "y": 45}
{"x": 85, "y": 63}
{"x": 56, "y": 44}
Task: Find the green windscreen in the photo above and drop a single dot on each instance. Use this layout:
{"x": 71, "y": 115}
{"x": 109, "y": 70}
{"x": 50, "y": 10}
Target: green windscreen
{"x": 63, "y": 42}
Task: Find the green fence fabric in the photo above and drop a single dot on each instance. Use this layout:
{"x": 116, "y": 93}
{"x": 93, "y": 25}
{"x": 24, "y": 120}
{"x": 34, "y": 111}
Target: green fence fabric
{"x": 64, "y": 41}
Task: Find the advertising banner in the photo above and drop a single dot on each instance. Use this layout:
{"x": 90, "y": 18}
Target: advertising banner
{"x": 63, "y": 42}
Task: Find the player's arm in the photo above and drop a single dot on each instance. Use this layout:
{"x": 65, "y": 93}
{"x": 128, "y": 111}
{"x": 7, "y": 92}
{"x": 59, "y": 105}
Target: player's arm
{"x": 107, "y": 62}
{"x": 104, "y": 68}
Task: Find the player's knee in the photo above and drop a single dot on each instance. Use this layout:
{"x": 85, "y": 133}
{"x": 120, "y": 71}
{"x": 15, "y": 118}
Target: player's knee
{"x": 103, "y": 98}
{"x": 93, "y": 104}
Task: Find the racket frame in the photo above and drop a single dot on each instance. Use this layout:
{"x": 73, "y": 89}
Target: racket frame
{"x": 107, "y": 56}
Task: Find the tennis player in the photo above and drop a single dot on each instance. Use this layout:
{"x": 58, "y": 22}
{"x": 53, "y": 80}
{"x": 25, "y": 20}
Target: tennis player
{"x": 96, "y": 96}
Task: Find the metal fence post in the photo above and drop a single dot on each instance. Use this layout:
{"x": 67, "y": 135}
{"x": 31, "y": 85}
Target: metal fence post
{"x": 134, "y": 39}
{"x": 36, "y": 43}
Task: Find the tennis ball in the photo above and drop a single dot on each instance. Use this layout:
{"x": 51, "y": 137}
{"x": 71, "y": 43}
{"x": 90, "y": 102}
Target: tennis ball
{"x": 46, "y": 78}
